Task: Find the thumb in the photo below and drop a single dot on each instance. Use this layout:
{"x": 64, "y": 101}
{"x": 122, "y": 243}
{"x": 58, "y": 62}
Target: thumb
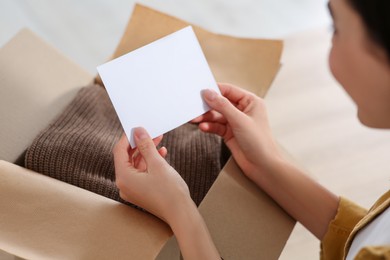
{"x": 146, "y": 146}
{"x": 222, "y": 105}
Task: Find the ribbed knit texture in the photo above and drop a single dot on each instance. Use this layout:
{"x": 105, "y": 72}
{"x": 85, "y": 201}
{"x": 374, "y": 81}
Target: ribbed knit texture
{"x": 77, "y": 148}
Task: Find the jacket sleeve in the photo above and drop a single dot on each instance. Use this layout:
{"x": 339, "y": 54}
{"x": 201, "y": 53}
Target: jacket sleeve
{"x": 374, "y": 253}
{"x": 339, "y": 229}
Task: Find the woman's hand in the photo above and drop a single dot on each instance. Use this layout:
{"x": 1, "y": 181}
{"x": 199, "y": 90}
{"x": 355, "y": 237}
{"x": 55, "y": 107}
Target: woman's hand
{"x": 240, "y": 118}
{"x": 145, "y": 179}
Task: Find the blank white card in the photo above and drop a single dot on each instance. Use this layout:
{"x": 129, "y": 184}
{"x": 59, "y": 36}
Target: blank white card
{"x": 159, "y": 86}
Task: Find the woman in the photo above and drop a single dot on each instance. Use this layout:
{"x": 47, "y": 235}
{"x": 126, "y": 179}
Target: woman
{"x": 360, "y": 61}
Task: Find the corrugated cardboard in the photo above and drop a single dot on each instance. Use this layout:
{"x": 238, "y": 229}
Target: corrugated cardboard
{"x": 42, "y": 218}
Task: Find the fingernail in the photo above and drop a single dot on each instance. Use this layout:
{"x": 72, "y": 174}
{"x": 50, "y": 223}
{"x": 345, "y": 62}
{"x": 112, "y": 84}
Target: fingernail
{"x": 140, "y": 133}
{"x": 209, "y": 94}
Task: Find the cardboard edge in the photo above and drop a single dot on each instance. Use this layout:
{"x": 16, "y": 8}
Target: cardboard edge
{"x": 19, "y": 182}
{"x": 20, "y": 52}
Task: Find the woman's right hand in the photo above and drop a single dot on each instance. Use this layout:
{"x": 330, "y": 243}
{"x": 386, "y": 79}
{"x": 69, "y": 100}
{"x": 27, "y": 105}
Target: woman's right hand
{"x": 240, "y": 118}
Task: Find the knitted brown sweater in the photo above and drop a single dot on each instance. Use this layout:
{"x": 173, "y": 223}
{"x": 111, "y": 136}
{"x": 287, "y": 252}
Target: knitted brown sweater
{"x": 77, "y": 148}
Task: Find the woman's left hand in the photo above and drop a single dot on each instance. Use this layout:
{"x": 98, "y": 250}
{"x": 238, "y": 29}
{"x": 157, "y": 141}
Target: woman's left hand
{"x": 145, "y": 179}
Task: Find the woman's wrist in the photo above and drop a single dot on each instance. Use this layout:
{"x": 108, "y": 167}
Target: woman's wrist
{"x": 175, "y": 209}
{"x": 192, "y": 234}
{"x": 182, "y": 210}
{"x": 270, "y": 169}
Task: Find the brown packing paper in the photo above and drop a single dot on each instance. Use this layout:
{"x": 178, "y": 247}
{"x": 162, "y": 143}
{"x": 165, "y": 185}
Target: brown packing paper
{"x": 243, "y": 221}
{"x": 40, "y": 217}
{"x": 37, "y": 83}
{"x": 249, "y": 63}
{"x": 44, "y": 218}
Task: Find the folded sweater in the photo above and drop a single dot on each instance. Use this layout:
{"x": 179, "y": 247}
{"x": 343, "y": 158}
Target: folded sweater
{"x": 77, "y": 148}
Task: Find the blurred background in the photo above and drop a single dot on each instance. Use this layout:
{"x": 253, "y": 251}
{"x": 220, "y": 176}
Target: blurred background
{"x": 310, "y": 114}
{"x": 88, "y": 31}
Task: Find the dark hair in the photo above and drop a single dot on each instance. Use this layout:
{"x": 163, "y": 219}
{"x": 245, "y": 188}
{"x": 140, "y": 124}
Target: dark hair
{"x": 376, "y": 17}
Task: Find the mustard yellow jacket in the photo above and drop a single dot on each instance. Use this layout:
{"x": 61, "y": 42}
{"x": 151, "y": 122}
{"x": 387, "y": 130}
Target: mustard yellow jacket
{"x": 349, "y": 219}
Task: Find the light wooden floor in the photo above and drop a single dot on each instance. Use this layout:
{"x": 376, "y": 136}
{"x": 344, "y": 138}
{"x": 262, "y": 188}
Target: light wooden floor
{"x": 314, "y": 119}
{"x": 310, "y": 114}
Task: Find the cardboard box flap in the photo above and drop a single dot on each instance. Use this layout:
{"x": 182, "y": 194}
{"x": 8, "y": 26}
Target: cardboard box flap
{"x": 249, "y": 63}
{"x": 43, "y": 218}
{"x": 243, "y": 221}
{"x": 37, "y": 83}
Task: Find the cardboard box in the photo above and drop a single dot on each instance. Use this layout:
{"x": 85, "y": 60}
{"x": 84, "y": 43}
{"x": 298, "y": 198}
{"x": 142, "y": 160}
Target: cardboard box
{"x": 43, "y": 218}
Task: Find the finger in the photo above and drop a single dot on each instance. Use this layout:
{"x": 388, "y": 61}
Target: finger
{"x": 163, "y": 152}
{"x": 222, "y": 105}
{"x": 157, "y": 140}
{"x": 146, "y": 146}
{"x": 211, "y": 116}
{"x": 233, "y": 93}
{"x": 213, "y": 128}
{"x": 122, "y": 151}
{"x": 241, "y": 98}
{"x": 198, "y": 119}
{"x": 122, "y": 195}
{"x": 139, "y": 163}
